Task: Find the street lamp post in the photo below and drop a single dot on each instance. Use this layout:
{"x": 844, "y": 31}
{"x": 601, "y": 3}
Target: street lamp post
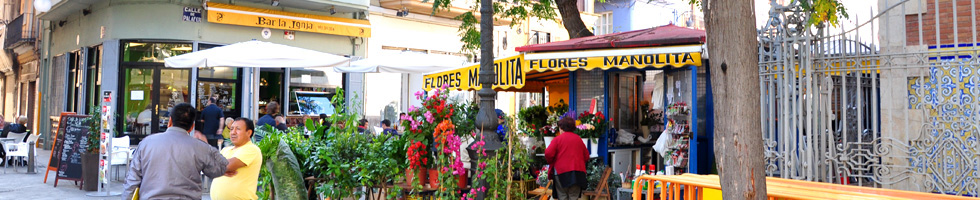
{"x": 486, "y": 118}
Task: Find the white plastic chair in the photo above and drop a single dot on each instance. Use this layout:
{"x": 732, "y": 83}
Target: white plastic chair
{"x": 19, "y": 137}
{"x": 120, "y": 153}
{"x": 18, "y": 150}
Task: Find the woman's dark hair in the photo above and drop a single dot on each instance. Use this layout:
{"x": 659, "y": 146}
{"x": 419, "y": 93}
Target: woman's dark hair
{"x": 249, "y": 125}
{"x": 183, "y": 115}
{"x": 566, "y": 124}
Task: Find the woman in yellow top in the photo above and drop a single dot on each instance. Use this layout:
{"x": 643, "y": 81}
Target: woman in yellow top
{"x": 244, "y": 160}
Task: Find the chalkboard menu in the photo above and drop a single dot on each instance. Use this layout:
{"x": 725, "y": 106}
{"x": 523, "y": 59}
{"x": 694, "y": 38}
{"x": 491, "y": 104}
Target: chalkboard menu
{"x": 68, "y": 149}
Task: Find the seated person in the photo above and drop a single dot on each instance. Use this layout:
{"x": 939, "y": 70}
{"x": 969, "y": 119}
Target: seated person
{"x": 17, "y": 127}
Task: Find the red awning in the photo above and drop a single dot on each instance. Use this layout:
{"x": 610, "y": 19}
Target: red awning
{"x": 656, "y": 36}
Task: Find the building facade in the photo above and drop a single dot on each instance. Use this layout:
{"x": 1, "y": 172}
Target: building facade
{"x": 411, "y": 26}
{"x": 93, "y": 47}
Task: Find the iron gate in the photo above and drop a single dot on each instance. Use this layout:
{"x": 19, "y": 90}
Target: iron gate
{"x": 840, "y": 108}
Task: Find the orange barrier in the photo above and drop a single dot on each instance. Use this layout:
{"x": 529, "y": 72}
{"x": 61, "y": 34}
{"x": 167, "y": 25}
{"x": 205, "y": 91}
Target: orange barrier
{"x": 692, "y": 186}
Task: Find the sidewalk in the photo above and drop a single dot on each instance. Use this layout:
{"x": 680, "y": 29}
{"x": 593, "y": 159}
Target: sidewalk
{"x": 20, "y": 185}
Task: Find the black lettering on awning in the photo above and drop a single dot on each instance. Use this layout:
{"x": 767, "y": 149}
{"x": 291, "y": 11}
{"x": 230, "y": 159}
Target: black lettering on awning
{"x": 610, "y": 60}
{"x": 687, "y": 56}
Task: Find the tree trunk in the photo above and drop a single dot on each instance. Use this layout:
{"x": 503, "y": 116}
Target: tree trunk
{"x": 572, "y": 20}
{"x": 734, "y": 51}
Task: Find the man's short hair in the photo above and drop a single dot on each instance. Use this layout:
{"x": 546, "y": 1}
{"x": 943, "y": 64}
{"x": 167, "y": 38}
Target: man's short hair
{"x": 386, "y": 122}
{"x": 213, "y": 100}
{"x": 567, "y": 124}
{"x": 362, "y": 122}
{"x": 183, "y": 115}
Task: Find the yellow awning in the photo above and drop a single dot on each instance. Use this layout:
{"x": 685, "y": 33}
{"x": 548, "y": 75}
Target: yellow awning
{"x": 246, "y": 16}
{"x": 513, "y": 72}
{"x": 510, "y": 74}
{"x": 647, "y": 57}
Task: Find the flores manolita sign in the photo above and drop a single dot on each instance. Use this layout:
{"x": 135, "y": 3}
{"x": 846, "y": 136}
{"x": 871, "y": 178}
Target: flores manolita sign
{"x": 512, "y": 71}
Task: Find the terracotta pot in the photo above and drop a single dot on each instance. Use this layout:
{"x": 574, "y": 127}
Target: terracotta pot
{"x": 421, "y": 177}
{"x": 433, "y": 178}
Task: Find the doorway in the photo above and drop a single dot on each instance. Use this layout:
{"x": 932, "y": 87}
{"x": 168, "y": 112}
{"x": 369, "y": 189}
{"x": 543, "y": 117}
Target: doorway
{"x": 150, "y": 91}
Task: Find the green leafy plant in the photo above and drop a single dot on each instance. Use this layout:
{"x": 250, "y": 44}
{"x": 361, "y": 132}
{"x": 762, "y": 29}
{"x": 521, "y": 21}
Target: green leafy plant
{"x": 533, "y": 120}
{"x": 383, "y": 163}
{"x": 94, "y": 122}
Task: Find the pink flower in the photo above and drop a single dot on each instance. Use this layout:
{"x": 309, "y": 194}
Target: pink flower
{"x": 428, "y": 117}
{"x": 419, "y": 95}
{"x": 483, "y": 165}
{"x": 445, "y": 86}
{"x": 412, "y": 108}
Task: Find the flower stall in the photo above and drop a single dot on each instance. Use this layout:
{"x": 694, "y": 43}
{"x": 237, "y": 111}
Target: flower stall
{"x": 636, "y": 79}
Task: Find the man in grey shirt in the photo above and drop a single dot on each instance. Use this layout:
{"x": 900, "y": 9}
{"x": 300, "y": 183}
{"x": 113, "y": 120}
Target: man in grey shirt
{"x": 168, "y": 165}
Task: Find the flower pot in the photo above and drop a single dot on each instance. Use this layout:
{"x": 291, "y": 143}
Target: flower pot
{"x": 594, "y": 148}
{"x": 90, "y": 171}
{"x": 547, "y": 141}
{"x": 462, "y": 180}
{"x": 433, "y": 178}
{"x": 421, "y": 177}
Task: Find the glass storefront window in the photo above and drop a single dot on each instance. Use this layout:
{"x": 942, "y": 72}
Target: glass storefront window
{"x": 137, "y": 101}
{"x": 225, "y": 93}
{"x": 153, "y": 52}
{"x": 307, "y": 86}
{"x": 174, "y": 89}
{"x": 218, "y": 72}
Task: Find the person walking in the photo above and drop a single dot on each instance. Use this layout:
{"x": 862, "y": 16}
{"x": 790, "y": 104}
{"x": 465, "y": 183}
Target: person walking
{"x": 168, "y": 165}
{"x": 211, "y": 117}
{"x": 567, "y": 156}
{"x": 244, "y": 162}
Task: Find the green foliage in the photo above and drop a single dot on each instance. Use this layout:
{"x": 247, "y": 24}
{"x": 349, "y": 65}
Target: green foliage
{"x": 822, "y": 11}
{"x": 383, "y": 162}
{"x": 533, "y": 119}
{"x": 516, "y": 10}
{"x": 593, "y": 171}
{"x": 286, "y": 174}
{"x": 94, "y": 122}
{"x": 336, "y": 160}
{"x": 464, "y": 117}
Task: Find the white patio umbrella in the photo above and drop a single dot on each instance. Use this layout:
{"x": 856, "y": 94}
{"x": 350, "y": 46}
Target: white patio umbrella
{"x": 256, "y": 54}
{"x": 404, "y": 63}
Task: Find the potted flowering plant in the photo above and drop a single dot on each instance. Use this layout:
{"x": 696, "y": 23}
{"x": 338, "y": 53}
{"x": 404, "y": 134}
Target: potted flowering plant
{"x": 590, "y": 127}
{"x": 421, "y": 124}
